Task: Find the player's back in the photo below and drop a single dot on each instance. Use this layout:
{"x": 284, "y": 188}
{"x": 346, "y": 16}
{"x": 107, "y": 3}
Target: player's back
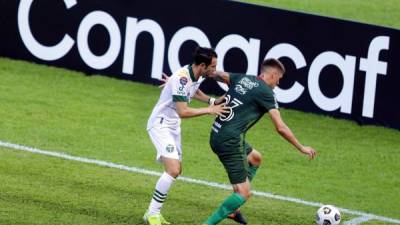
{"x": 248, "y": 98}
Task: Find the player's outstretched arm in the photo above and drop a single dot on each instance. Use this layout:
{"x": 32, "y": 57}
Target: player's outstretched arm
{"x": 218, "y": 76}
{"x": 221, "y": 77}
{"x": 184, "y": 111}
{"x": 201, "y": 96}
{"x": 285, "y": 132}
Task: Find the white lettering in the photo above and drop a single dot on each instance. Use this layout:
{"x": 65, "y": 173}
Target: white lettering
{"x": 250, "y": 48}
{"x": 48, "y": 53}
{"x": 108, "y": 58}
{"x": 293, "y": 53}
{"x": 372, "y": 67}
{"x": 133, "y": 29}
{"x": 344, "y": 99}
{"x": 182, "y": 35}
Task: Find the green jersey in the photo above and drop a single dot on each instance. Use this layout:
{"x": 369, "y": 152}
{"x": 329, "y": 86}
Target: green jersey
{"x": 249, "y": 98}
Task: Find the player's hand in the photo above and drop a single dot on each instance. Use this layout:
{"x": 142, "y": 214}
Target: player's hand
{"x": 164, "y": 80}
{"x": 218, "y": 110}
{"x": 220, "y": 100}
{"x": 309, "y": 151}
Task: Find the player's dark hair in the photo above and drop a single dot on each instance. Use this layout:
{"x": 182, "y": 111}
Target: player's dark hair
{"x": 271, "y": 62}
{"x": 203, "y": 55}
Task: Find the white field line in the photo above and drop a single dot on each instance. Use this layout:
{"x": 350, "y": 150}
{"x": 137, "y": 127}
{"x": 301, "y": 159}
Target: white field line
{"x": 357, "y": 220}
{"x": 189, "y": 180}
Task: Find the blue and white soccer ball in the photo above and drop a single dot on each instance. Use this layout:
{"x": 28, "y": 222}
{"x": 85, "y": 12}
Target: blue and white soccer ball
{"x": 327, "y": 215}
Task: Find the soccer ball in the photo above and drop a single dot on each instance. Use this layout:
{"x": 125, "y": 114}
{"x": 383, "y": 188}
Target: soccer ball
{"x": 327, "y": 215}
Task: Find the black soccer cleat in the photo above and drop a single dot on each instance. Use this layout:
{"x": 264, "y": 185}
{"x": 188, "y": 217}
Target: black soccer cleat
{"x": 238, "y": 217}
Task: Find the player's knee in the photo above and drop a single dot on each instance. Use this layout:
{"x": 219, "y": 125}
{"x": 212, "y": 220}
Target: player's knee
{"x": 174, "y": 171}
{"x": 172, "y": 167}
{"x": 255, "y": 158}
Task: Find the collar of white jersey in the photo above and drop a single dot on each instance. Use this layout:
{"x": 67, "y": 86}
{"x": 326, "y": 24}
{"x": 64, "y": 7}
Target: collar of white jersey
{"x": 191, "y": 73}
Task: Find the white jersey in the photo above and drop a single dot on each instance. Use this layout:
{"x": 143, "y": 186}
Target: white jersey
{"x": 181, "y": 86}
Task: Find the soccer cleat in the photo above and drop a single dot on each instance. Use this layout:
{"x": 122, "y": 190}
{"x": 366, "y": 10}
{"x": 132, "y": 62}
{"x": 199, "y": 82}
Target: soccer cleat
{"x": 238, "y": 217}
{"x": 152, "y": 219}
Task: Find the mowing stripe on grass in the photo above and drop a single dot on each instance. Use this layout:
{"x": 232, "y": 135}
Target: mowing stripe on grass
{"x": 363, "y": 216}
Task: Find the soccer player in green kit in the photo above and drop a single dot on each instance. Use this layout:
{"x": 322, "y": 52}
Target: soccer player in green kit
{"x": 249, "y": 98}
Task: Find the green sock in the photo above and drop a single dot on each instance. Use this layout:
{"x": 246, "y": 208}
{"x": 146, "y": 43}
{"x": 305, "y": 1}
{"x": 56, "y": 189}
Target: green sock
{"x": 252, "y": 172}
{"x": 230, "y": 204}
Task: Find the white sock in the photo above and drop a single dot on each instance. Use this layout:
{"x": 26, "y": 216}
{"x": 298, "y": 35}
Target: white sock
{"x": 160, "y": 193}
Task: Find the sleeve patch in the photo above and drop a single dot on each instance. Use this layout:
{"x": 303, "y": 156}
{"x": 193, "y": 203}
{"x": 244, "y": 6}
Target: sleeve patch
{"x": 183, "y": 80}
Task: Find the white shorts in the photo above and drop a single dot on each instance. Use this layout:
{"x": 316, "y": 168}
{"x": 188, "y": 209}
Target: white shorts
{"x": 167, "y": 141}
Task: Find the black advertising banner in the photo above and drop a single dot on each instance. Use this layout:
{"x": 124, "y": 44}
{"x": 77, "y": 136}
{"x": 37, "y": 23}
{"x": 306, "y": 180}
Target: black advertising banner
{"x": 334, "y": 67}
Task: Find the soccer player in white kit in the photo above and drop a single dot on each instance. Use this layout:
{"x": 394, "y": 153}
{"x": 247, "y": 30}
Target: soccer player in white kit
{"x": 164, "y": 123}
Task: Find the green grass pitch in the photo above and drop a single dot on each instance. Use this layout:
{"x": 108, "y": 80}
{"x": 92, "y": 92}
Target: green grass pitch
{"x": 103, "y": 118}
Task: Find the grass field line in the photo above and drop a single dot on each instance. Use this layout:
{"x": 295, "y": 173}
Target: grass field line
{"x": 363, "y": 216}
{"x": 357, "y": 220}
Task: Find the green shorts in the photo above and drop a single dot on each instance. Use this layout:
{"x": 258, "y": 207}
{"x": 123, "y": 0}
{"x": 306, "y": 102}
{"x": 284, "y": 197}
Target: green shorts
{"x": 233, "y": 155}
{"x": 247, "y": 147}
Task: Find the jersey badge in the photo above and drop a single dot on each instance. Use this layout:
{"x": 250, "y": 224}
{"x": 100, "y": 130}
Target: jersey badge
{"x": 170, "y": 148}
{"x": 183, "y": 81}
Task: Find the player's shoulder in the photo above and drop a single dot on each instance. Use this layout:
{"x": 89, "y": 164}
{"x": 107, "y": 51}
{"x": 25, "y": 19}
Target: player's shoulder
{"x": 235, "y": 77}
{"x": 181, "y": 76}
{"x": 247, "y": 80}
{"x": 263, "y": 88}
{"x": 182, "y": 72}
